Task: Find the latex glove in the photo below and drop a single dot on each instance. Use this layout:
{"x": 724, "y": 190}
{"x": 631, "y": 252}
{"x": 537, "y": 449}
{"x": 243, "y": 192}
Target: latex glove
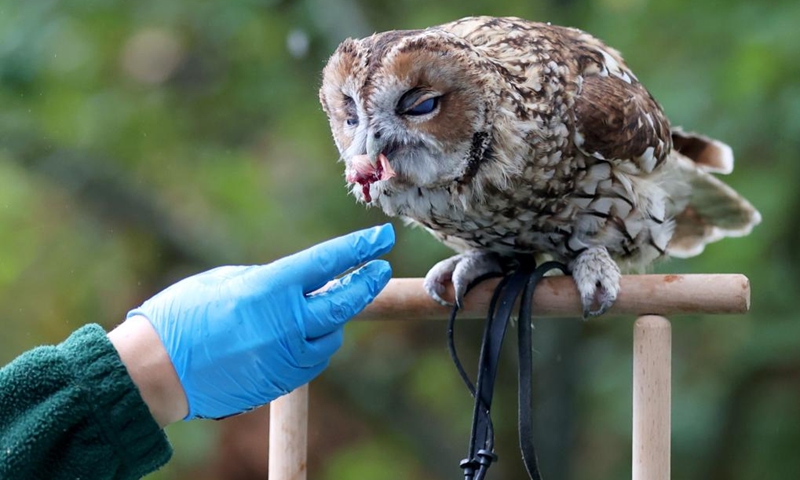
{"x": 241, "y": 336}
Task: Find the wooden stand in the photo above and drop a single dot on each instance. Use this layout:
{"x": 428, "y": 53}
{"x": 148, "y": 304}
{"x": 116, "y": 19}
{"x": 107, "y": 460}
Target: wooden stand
{"x": 288, "y": 431}
{"x": 645, "y": 296}
{"x": 652, "y": 384}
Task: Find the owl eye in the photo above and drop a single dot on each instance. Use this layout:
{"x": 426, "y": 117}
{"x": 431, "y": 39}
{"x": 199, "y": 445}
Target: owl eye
{"x": 350, "y": 108}
{"x": 425, "y": 107}
{"x": 415, "y": 103}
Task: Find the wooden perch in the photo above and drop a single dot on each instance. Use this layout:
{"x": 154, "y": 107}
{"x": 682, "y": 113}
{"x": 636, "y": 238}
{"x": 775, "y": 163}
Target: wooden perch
{"x": 646, "y": 296}
{"x": 405, "y": 299}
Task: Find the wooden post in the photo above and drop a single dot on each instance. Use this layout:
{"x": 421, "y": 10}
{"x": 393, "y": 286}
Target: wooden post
{"x": 288, "y": 431}
{"x": 652, "y": 377}
{"x": 405, "y": 299}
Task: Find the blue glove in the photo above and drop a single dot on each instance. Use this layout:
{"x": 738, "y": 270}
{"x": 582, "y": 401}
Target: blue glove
{"x": 240, "y": 337}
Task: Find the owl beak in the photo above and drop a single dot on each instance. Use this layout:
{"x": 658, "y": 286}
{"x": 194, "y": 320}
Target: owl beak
{"x": 375, "y": 146}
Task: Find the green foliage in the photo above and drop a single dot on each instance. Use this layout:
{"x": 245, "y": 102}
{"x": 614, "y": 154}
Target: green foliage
{"x": 374, "y": 459}
{"x": 143, "y": 141}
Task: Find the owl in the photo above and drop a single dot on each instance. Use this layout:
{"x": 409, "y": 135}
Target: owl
{"x": 508, "y": 139}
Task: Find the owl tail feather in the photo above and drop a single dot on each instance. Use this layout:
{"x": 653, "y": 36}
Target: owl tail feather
{"x": 714, "y": 210}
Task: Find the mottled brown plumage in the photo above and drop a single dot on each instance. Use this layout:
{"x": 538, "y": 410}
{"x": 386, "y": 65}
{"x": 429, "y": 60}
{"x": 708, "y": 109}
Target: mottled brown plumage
{"x": 508, "y": 138}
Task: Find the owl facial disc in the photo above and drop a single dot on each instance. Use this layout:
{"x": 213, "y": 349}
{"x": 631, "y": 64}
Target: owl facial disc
{"x": 363, "y": 172}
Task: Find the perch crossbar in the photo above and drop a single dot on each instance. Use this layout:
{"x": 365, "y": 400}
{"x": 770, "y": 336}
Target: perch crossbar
{"x": 650, "y": 298}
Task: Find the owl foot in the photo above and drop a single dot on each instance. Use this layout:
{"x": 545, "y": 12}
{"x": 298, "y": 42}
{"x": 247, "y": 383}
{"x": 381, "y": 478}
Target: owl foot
{"x": 461, "y": 270}
{"x": 597, "y": 276}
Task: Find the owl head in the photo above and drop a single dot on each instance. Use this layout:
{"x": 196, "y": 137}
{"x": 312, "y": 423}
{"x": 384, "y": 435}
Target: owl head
{"x": 408, "y": 110}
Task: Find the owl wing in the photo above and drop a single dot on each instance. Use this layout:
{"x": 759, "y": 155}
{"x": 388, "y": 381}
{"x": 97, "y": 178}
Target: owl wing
{"x": 616, "y": 118}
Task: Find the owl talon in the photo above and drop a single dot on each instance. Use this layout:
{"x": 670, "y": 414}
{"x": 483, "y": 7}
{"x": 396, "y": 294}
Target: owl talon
{"x": 461, "y": 270}
{"x": 603, "y": 308}
{"x": 460, "y": 290}
{"x": 437, "y": 296}
{"x": 597, "y": 277}
{"x": 437, "y": 278}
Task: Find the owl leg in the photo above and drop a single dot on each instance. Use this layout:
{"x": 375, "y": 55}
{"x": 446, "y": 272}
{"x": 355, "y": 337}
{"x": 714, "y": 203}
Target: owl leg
{"x": 461, "y": 270}
{"x": 597, "y": 276}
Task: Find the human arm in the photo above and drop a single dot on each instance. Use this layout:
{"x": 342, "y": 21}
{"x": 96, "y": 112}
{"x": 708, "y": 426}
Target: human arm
{"x": 71, "y": 411}
{"x": 149, "y": 366}
{"x": 228, "y": 340}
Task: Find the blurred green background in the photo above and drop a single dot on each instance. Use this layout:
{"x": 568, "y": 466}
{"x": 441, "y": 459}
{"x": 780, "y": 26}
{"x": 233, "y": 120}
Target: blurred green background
{"x": 144, "y": 141}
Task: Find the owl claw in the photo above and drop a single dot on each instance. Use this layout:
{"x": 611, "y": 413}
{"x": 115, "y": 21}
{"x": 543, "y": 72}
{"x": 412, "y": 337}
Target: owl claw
{"x": 597, "y": 277}
{"x": 460, "y": 287}
{"x": 437, "y": 278}
{"x": 461, "y": 270}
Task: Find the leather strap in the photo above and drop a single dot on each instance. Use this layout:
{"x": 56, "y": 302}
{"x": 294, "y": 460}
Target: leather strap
{"x": 522, "y": 281}
{"x": 525, "y": 337}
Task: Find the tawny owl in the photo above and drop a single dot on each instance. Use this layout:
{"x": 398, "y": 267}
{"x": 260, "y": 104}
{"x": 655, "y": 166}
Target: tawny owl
{"x": 507, "y": 138}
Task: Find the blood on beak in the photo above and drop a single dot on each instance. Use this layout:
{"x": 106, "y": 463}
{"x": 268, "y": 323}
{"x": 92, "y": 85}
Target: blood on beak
{"x": 365, "y": 172}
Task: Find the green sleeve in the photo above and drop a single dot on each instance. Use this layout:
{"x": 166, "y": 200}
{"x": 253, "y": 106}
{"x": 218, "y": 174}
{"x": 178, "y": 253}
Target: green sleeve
{"x": 71, "y": 411}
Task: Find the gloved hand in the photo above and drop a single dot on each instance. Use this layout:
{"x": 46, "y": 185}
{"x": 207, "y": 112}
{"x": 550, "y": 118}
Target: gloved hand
{"x": 241, "y": 336}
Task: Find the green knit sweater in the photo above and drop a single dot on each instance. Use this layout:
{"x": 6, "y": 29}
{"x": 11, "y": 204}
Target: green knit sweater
{"x": 72, "y": 412}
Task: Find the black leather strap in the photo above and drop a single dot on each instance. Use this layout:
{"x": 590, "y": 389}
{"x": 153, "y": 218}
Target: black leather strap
{"x": 525, "y": 337}
{"x": 522, "y": 281}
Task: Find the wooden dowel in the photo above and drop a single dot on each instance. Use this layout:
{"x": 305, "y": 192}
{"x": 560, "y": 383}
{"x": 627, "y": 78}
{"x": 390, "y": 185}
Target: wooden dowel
{"x": 652, "y": 370}
{"x": 405, "y": 299}
{"x": 288, "y": 431}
